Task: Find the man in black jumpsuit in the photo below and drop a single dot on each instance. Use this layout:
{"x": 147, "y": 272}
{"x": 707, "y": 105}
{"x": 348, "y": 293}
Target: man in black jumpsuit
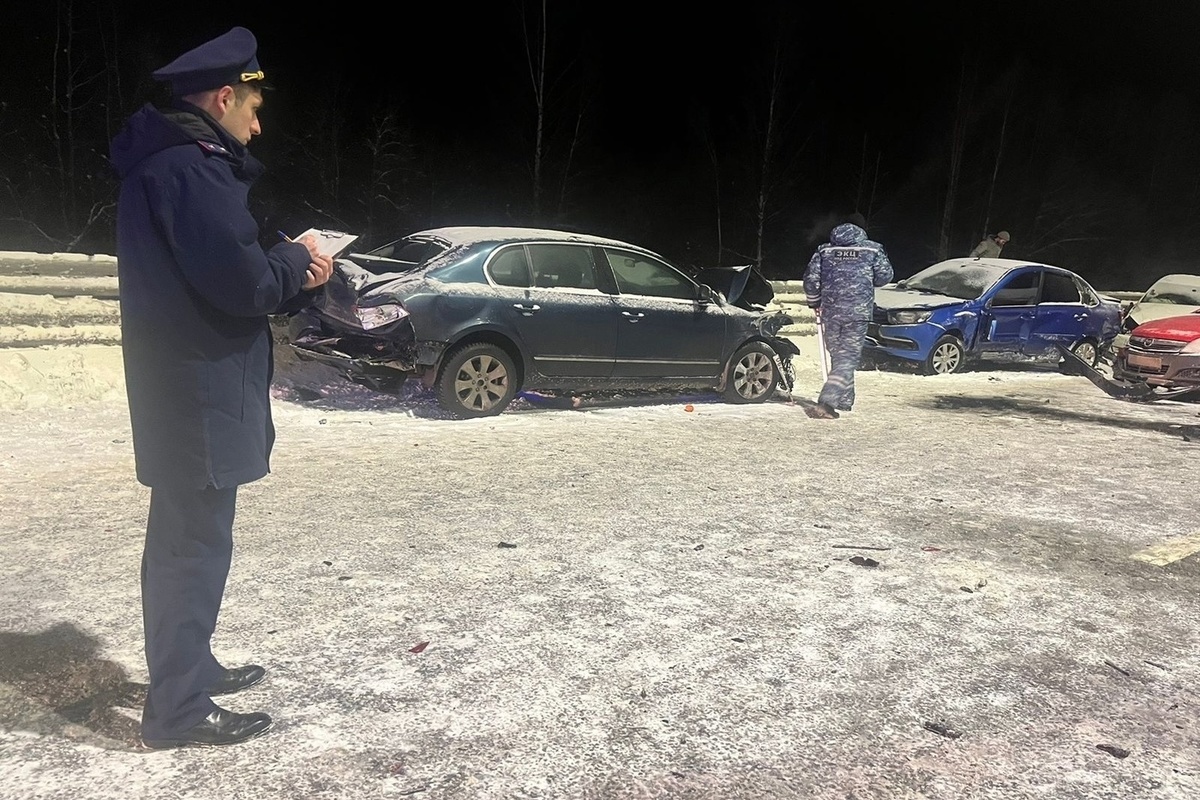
{"x": 196, "y": 290}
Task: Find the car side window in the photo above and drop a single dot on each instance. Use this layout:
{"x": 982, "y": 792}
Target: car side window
{"x": 1085, "y": 291}
{"x": 1019, "y": 290}
{"x": 1058, "y": 288}
{"x": 562, "y": 266}
{"x": 637, "y": 274}
{"x": 509, "y": 267}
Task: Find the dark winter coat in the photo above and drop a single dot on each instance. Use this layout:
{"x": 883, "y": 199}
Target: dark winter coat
{"x": 842, "y": 275}
{"x": 196, "y": 290}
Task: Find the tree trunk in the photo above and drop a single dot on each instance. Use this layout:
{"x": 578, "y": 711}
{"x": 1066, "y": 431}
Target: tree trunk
{"x": 768, "y": 155}
{"x": 987, "y": 217}
{"x": 957, "y": 144}
{"x": 537, "y": 75}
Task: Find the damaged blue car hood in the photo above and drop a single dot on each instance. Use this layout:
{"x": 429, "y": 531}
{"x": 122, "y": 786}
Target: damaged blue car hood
{"x": 892, "y": 297}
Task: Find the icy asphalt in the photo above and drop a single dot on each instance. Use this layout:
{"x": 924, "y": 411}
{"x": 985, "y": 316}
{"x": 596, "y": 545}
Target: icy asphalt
{"x": 936, "y": 596}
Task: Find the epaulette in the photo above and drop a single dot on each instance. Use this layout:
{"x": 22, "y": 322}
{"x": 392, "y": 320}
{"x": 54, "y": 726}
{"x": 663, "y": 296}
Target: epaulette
{"x": 212, "y": 147}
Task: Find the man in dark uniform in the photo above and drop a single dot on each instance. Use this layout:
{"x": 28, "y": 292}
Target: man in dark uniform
{"x": 839, "y": 284}
{"x": 196, "y": 290}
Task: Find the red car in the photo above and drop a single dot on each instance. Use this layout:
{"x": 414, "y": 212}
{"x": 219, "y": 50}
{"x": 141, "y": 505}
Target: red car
{"x": 1162, "y": 352}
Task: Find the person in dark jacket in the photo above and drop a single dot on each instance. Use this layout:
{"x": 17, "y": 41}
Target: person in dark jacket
{"x": 196, "y": 289}
{"x": 839, "y": 284}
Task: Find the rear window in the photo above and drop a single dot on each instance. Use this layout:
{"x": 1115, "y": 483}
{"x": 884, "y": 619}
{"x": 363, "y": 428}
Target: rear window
{"x": 1058, "y": 288}
{"x": 402, "y": 255}
{"x": 510, "y": 267}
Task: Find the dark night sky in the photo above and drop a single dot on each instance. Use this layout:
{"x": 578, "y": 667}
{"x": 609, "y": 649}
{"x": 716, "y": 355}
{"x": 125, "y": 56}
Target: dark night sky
{"x": 893, "y": 65}
{"x": 890, "y": 66}
{"x": 656, "y": 73}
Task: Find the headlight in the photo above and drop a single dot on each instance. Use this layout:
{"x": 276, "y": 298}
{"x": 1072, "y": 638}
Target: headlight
{"x": 377, "y": 316}
{"x": 907, "y": 317}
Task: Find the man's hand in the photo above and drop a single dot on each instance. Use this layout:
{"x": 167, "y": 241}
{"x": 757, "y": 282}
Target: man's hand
{"x": 321, "y": 267}
{"x": 318, "y": 272}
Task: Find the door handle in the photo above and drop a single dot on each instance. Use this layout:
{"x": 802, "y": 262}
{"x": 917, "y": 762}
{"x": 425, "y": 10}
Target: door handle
{"x": 633, "y": 316}
{"x": 525, "y": 310}
{"x": 1081, "y": 316}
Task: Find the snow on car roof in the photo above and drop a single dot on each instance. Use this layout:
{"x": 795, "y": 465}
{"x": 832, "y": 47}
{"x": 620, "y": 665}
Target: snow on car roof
{"x": 1002, "y": 263}
{"x": 473, "y": 234}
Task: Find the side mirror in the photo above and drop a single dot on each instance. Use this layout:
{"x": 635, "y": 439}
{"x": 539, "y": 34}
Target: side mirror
{"x": 706, "y": 295}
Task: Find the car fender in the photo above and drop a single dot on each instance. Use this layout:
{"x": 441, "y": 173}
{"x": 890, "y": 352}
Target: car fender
{"x": 478, "y": 331}
{"x": 966, "y": 325}
{"x": 784, "y": 350}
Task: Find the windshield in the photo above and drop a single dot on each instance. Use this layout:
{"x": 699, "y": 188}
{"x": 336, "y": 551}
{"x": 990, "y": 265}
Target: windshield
{"x": 402, "y": 255}
{"x": 1174, "y": 294}
{"x": 955, "y": 279}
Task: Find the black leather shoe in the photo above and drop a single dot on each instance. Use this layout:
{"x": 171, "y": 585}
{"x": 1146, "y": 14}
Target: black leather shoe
{"x": 218, "y": 728}
{"x": 236, "y": 679}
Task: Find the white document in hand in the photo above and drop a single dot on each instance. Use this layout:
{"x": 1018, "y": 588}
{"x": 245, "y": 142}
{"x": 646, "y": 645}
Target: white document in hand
{"x": 329, "y": 243}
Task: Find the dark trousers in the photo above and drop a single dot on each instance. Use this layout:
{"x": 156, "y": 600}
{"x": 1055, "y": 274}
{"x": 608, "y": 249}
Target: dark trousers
{"x": 844, "y": 339}
{"x": 189, "y": 544}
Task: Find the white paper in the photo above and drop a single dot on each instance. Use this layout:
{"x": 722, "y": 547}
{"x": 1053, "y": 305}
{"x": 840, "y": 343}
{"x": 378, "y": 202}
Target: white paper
{"x": 329, "y": 242}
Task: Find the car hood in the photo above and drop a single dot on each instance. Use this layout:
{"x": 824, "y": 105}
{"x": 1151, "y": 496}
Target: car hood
{"x": 742, "y": 286}
{"x": 891, "y": 296}
{"x": 1145, "y": 312}
{"x": 1180, "y": 328}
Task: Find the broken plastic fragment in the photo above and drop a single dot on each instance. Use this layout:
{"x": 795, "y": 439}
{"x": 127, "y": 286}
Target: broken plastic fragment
{"x": 419, "y": 647}
{"x": 941, "y": 730}
{"x": 1113, "y": 750}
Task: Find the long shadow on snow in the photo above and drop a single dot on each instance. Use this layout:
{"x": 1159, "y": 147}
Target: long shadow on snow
{"x": 1003, "y": 406}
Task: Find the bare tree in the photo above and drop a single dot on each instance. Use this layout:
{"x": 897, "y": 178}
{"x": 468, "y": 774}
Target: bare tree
{"x": 73, "y": 76}
{"x": 560, "y": 102}
{"x": 710, "y": 146}
{"x": 868, "y": 181}
{"x": 572, "y": 149}
{"x": 1014, "y": 82}
{"x": 1076, "y": 206}
{"x": 776, "y": 164}
{"x": 958, "y": 141}
{"x": 391, "y": 168}
{"x": 535, "y": 52}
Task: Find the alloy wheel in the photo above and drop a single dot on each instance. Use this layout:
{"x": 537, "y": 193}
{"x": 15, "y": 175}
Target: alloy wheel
{"x": 753, "y": 375}
{"x": 481, "y": 383}
{"x": 946, "y": 358}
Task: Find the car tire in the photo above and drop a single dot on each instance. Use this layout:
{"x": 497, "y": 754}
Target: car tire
{"x": 477, "y": 380}
{"x": 1087, "y": 352}
{"x": 946, "y": 357}
{"x": 753, "y": 375}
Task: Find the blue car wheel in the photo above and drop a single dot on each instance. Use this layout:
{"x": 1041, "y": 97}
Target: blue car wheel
{"x": 1087, "y": 352}
{"x": 945, "y": 357}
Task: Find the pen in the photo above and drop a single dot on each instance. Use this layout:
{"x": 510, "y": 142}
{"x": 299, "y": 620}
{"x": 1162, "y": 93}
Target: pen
{"x": 284, "y": 236}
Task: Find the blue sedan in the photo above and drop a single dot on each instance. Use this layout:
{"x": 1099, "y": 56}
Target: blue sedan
{"x": 972, "y": 309}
